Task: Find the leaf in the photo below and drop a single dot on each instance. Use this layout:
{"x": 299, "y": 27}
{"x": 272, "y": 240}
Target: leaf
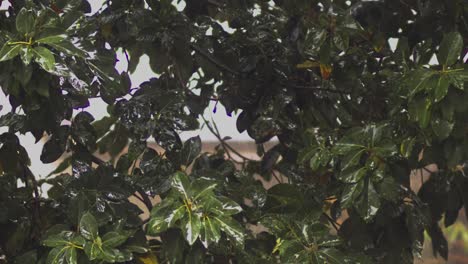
{"x": 450, "y": 48}
{"x": 345, "y": 147}
{"x": 61, "y": 239}
{"x": 44, "y": 58}
{"x": 341, "y": 41}
{"x": 165, "y": 217}
{"x": 385, "y": 150}
{"x": 228, "y": 206}
{"x": 211, "y": 232}
{"x": 441, "y": 87}
{"x": 25, "y": 21}
{"x": 26, "y": 55}
{"x": 61, "y": 255}
{"x": 190, "y": 150}
{"x": 406, "y": 147}
{"x": 352, "y": 159}
{"x": 192, "y": 228}
{"x": 8, "y": 52}
{"x": 420, "y": 110}
{"x": 68, "y": 48}
{"x": 332, "y": 256}
{"x": 202, "y": 187}
{"x": 368, "y": 203}
{"x": 148, "y": 258}
{"x": 283, "y": 198}
{"x": 88, "y": 226}
{"x": 181, "y": 183}
{"x": 232, "y": 228}
{"x": 458, "y": 77}
{"x": 442, "y": 128}
{"x": 308, "y": 64}
{"x": 352, "y": 175}
{"x": 52, "y": 150}
{"x": 51, "y": 39}
{"x": 57, "y": 256}
{"x": 113, "y": 239}
{"x": 71, "y": 255}
{"x": 350, "y": 193}
{"x": 418, "y": 80}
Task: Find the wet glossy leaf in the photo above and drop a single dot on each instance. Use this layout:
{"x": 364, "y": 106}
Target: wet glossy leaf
{"x": 442, "y": 128}
{"x": 190, "y": 150}
{"x": 52, "y": 39}
{"x": 420, "y": 110}
{"x": 8, "y": 52}
{"x": 441, "y": 87}
{"x": 231, "y": 227}
{"x": 192, "y": 228}
{"x": 113, "y": 239}
{"x": 450, "y": 48}
{"x": 44, "y": 58}
{"x": 88, "y": 226}
{"x": 368, "y": 203}
{"x": 352, "y": 175}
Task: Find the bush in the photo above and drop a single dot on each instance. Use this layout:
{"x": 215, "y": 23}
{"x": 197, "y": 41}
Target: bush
{"x": 359, "y": 94}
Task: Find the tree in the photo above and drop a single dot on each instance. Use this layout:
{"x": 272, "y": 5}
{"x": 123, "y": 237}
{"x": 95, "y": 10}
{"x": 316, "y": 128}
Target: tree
{"x": 353, "y": 115}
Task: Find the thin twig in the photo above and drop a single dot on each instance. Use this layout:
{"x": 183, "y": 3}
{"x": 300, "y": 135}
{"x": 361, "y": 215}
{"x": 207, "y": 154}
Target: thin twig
{"x": 318, "y": 89}
{"x": 333, "y": 222}
{"x": 276, "y": 177}
{"x": 227, "y": 148}
{"x": 145, "y": 198}
{"x": 427, "y": 170}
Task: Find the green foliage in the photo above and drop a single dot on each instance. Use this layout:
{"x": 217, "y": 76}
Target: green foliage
{"x": 353, "y": 116}
{"x": 194, "y": 208}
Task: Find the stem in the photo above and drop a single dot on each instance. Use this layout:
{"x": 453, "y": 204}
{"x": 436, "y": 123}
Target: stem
{"x": 319, "y": 89}
{"x": 225, "y": 146}
{"x": 444, "y": 70}
{"x": 334, "y": 224}
{"x": 28, "y": 43}
{"x": 276, "y": 177}
{"x": 146, "y": 201}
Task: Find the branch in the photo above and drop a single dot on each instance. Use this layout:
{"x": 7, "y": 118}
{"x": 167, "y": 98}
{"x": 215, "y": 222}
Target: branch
{"x": 227, "y": 148}
{"x": 333, "y": 222}
{"x": 319, "y": 89}
{"x": 37, "y": 204}
{"x": 146, "y": 201}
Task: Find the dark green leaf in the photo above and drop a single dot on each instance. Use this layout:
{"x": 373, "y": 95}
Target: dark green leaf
{"x": 368, "y": 203}
{"x": 25, "y": 21}
{"x": 441, "y": 87}
{"x": 420, "y": 110}
{"x": 192, "y": 228}
{"x": 44, "y": 58}
{"x": 352, "y": 175}
{"x": 8, "y": 52}
{"x": 232, "y": 228}
{"x": 190, "y": 150}
{"x": 52, "y": 39}
{"x": 450, "y": 48}
{"x": 113, "y": 239}
{"x": 88, "y": 226}
{"x": 442, "y": 128}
